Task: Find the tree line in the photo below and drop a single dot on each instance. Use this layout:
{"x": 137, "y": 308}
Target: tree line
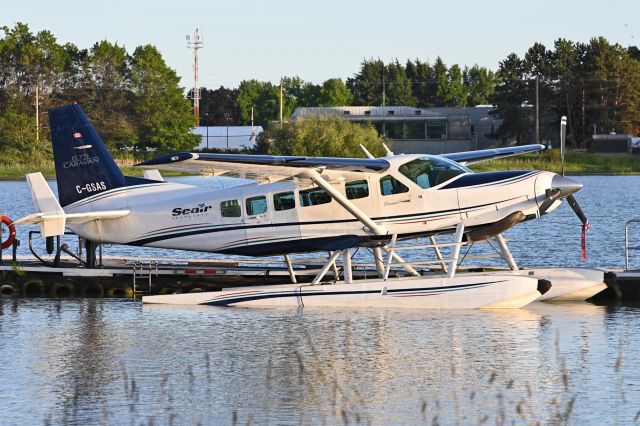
{"x": 596, "y": 85}
{"x": 416, "y": 83}
{"x": 133, "y": 100}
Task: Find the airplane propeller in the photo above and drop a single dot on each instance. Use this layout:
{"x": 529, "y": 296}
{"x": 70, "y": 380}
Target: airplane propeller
{"x": 573, "y": 203}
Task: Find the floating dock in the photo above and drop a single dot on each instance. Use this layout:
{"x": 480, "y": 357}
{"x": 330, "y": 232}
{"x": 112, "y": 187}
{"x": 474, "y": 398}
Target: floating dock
{"x": 136, "y": 277}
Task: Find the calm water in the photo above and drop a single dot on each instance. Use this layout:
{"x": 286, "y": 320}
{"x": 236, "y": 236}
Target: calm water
{"x": 113, "y": 361}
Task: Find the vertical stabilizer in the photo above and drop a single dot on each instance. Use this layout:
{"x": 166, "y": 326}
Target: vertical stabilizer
{"x": 45, "y": 202}
{"x": 84, "y": 167}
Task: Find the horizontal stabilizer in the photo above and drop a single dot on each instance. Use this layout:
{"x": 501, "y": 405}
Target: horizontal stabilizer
{"x": 71, "y": 217}
{"x": 50, "y": 216}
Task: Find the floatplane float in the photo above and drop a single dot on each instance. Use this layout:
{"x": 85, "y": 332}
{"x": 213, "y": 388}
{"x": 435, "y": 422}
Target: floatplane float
{"x": 302, "y": 204}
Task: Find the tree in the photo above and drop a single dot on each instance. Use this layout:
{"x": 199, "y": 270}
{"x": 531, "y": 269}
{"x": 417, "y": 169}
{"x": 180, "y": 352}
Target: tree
{"x": 455, "y": 95}
{"x": 105, "y": 93}
{"x": 441, "y": 80}
{"x": 334, "y": 92}
{"x": 366, "y": 85}
{"x": 420, "y": 75}
{"x": 479, "y": 85}
{"x": 398, "y": 86}
{"x": 219, "y": 107}
{"x": 510, "y": 99}
{"x": 327, "y": 137}
{"x": 163, "y": 113}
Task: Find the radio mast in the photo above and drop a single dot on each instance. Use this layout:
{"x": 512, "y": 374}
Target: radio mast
{"x": 195, "y": 42}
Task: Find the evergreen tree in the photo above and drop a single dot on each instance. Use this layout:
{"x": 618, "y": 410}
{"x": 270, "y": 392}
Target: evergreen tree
{"x": 398, "y": 86}
{"x": 366, "y": 85}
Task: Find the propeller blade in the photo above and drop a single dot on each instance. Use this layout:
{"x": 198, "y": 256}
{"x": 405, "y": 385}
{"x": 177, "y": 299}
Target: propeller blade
{"x": 552, "y": 196}
{"x": 585, "y": 224}
{"x": 577, "y": 210}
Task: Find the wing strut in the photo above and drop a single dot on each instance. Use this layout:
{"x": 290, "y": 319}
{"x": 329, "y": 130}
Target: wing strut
{"x": 373, "y": 227}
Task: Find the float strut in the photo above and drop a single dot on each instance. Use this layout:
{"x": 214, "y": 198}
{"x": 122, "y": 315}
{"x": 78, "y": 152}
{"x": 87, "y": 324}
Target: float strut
{"x": 377, "y": 255}
{"x": 325, "y": 268}
{"x": 407, "y": 267}
{"x": 506, "y": 253}
{"x": 436, "y": 249}
{"x": 346, "y": 266}
{"x": 457, "y": 237}
{"x": 292, "y": 274}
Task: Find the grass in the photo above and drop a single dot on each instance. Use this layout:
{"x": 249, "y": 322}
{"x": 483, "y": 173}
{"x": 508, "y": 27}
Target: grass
{"x": 575, "y": 163}
{"x": 14, "y": 168}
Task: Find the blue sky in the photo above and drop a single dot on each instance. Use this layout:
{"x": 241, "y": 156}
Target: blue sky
{"x": 327, "y": 38}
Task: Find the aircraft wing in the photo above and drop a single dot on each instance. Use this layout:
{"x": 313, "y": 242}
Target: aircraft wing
{"x": 260, "y": 166}
{"x": 470, "y": 157}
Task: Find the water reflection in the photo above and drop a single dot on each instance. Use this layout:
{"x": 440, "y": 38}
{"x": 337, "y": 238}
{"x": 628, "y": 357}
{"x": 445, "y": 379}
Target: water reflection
{"x": 114, "y": 361}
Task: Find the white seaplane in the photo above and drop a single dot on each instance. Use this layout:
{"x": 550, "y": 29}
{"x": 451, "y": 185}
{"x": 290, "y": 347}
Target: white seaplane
{"x": 305, "y": 204}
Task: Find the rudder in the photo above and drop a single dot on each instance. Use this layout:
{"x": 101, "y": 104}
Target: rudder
{"x": 84, "y": 166}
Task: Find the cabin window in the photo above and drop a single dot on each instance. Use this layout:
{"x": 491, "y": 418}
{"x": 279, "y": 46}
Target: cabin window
{"x": 284, "y": 201}
{"x": 390, "y": 185}
{"x": 431, "y": 171}
{"x": 356, "y": 189}
{"x": 256, "y": 205}
{"x": 314, "y": 197}
{"x": 230, "y": 208}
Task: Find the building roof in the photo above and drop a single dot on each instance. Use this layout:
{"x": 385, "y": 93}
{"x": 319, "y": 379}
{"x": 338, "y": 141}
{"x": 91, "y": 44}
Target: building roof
{"x": 368, "y": 112}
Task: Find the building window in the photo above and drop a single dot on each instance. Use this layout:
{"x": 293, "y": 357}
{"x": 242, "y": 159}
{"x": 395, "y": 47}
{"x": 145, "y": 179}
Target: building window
{"x": 390, "y": 185}
{"x": 230, "y": 208}
{"x": 356, "y": 189}
{"x": 391, "y": 112}
{"x": 284, "y": 201}
{"x": 314, "y": 197}
{"x": 346, "y": 112}
{"x": 367, "y": 112}
{"x": 256, "y": 205}
{"x": 417, "y": 112}
{"x": 394, "y": 130}
{"x": 437, "y": 129}
{"x": 415, "y": 130}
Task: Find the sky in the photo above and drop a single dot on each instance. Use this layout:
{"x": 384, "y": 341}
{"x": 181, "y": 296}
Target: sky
{"x": 265, "y": 40}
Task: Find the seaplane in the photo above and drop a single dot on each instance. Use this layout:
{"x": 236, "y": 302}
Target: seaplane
{"x": 297, "y": 204}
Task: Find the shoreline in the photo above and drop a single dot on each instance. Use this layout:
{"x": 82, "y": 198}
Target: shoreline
{"x": 576, "y": 164}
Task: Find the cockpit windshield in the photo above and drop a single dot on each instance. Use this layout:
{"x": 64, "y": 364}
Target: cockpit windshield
{"x": 431, "y": 171}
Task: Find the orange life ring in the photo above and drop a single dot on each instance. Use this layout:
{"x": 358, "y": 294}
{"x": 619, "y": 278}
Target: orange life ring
{"x": 12, "y": 232}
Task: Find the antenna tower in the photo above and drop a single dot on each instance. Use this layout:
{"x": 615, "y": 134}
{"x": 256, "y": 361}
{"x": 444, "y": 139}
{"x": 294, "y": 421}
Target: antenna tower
{"x": 195, "y": 42}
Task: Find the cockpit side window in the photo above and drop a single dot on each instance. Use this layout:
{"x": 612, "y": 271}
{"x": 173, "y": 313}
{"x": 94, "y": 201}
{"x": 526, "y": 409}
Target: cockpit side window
{"x": 390, "y": 185}
{"x": 431, "y": 171}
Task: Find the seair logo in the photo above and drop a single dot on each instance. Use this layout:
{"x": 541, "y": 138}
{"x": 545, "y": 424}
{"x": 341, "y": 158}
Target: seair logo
{"x": 200, "y": 208}
{"x": 80, "y": 160}
{"x": 91, "y": 187}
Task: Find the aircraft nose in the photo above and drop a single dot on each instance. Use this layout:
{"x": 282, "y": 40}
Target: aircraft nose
{"x": 567, "y": 186}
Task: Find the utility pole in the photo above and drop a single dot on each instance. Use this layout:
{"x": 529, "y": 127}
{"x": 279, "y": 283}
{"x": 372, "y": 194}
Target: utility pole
{"x": 195, "y": 43}
{"x": 38, "y": 111}
{"x": 537, "y": 112}
{"x": 281, "y": 103}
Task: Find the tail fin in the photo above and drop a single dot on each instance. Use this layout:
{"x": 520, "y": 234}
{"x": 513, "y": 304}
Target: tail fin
{"x": 84, "y": 167}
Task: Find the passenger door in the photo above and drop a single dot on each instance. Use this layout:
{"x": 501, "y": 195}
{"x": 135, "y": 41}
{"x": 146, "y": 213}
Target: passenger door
{"x": 258, "y": 220}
